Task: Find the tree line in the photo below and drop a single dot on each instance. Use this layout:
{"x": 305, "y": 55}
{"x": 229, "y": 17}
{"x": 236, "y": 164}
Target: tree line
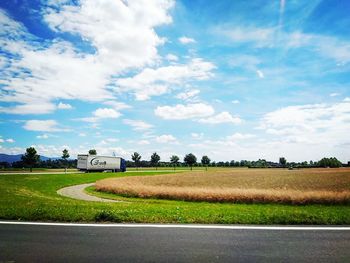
{"x": 30, "y": 159}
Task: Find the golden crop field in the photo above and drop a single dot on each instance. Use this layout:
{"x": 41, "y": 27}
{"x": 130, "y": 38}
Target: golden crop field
{"x": 304, "y": 186}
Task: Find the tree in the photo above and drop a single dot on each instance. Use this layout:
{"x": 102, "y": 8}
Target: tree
{"x": 136, "y": 157}
{"x": 30, "y": 158}
{"x": 329, "y": 162}
{"x": 205, "y": 161}
{"x": 155, "y": 159}
{"x": 190, "y": 159}
{"x": 92, "y": 152}
{"x": 174, "y": 160}
{"x": 65, "y": 156}
{"x": 283, "y": 161}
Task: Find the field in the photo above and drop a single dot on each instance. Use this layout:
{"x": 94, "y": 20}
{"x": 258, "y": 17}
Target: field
{"x": 325, "y": 186}
{"x": 34, "y": 197}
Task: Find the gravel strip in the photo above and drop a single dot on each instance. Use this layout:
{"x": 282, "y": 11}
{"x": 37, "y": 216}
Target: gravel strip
{"x": 77, "y": 192}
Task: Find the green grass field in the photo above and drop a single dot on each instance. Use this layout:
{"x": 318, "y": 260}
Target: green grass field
{"x": 34, "y": 197}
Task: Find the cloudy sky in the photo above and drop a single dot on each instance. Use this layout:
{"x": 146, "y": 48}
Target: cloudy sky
{"x": 228, "y": 79}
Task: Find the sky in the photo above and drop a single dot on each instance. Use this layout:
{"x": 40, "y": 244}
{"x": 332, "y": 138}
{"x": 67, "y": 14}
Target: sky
{"x": 233, "y": 80}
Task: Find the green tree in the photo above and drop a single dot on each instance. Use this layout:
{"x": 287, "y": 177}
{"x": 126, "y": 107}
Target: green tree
{"x": 205, "y": 161}
{"x": 65, "y": 156}
{"x": 174, "y": 160}
{"x": 283, "y": 161}
{"x": 190, "y": 159}
{"x": 330, "y": 162}
{"x": 92, "y": 152}
{"x": 136, "y": 157}
{"x": 155, "y": 158}
{"x": 30, "y": 158}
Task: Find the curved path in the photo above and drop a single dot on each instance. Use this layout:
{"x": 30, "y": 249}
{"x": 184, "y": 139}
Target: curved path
{"x": 77, "y": 192}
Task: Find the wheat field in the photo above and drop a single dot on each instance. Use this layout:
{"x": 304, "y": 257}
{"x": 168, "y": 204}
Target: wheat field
{"x": 304, "y": 186}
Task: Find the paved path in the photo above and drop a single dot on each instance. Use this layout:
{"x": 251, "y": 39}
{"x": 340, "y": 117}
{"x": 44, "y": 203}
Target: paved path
{"x": 77, "y": 192}
{"x": 172, "y": 243}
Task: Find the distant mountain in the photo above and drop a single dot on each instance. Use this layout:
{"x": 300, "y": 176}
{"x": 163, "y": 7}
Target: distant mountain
{"x": 17, "y": 157}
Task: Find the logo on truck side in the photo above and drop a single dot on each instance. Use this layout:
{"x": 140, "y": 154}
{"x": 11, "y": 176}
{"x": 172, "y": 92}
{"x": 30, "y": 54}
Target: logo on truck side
{"x": 96, "y": 162}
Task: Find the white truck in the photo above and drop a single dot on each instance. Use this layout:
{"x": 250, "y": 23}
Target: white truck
{"x": 87, "y": 162}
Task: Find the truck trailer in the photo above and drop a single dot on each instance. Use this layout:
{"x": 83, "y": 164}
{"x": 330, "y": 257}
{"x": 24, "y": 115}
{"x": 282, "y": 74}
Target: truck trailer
{"x": 87, "y": 162}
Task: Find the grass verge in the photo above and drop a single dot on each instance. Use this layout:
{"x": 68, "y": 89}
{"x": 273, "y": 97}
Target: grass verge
{"x": 34, "y": 197}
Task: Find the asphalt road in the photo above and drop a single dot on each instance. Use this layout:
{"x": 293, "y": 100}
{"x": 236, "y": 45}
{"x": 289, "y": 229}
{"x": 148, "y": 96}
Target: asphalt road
{"x": 47, "y": 243}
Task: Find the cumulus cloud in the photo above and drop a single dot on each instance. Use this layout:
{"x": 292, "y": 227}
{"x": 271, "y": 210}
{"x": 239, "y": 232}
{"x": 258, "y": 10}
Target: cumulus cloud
{"x": 143, "y": 142}
{"x": 10, "y": 140}
{"x": 310, "y": 124}
{"x": 64, "y": 106}
{"x": 239, "y": 136}
{"x": 260, "y": 74}
{"x": 43, "y": 136}
{"x": 153, "y": 82}
{"x": 33, "y": 107}
{"x": 121, "y": 34}
{"x": 223, "y": 117}
{"x": 166, "y": 138}
{"x": 105, "y": 113}
{"x": 138, "y": 125}
{"x": 235, "y": 102}
{"x": 43, "y": 125}
{"x": 117, "y": 105}
{"x": 197, "y": 136}
{"x": 188, "y": 94}
{"x": 171, "y": 57}
{"x": 181, "y": 112}
{"x": 186, "y": 40}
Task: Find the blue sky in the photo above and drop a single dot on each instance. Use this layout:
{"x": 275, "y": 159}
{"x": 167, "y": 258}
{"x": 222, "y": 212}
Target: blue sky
{"x": 229, "y": 79}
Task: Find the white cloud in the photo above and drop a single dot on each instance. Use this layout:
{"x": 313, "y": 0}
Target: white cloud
{"x": 326, "y": 46}
{"x": 197, "y": 136}
{"x": 180, "y": 111}
{"x": 186, "y": 40}
{"x": 64, "y": 106}
{"x": 43, "y": 125}
{"x": 122, "y": 34}
{"x": 143, "y": 142}
{"x": 260, "y": 74}
{"x": 1, "y": 140}
{"x": 347, "y": 99}
{"x": 171, "y": 57}
{"x": 244, "y": 61}
{"x": 154, "y": 82}
{"x": 188, "y": 94}
{"x": 239, "y": 136}
{"x": 10, "y": 140}
{"x": 261, "y": 37}
{"x": 223, "y": 117}
{"x": 138, "y": 125}
{"x": 320, "y": 124}
{"x": 34, "y": 107}
{"x": 117, "y": 105}
{"x": 235, "y": 102}
{"x": 43, "y": 136}
{"x": 105, "y": 113}
{"x": 112, "y": 140}
{"x": 166, "y": 138}
{"x": 82, "y": 134}
{"x": 334, "y": 94}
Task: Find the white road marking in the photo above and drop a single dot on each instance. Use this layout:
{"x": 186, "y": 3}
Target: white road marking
{"x": 233, "y": 227}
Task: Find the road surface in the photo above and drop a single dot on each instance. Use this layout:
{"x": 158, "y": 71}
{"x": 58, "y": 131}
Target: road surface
{"x": 174, "y": 243}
